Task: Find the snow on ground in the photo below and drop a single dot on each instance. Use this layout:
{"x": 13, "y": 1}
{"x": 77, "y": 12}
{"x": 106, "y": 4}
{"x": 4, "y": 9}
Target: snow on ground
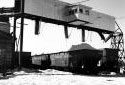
{"x": 55, "y": 77}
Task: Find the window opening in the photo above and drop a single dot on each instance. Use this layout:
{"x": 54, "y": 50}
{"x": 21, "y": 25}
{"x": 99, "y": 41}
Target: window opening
{"x": 87, "y": 12}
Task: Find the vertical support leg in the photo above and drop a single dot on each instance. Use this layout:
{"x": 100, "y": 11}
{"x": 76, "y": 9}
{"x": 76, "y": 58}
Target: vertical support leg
{"x": 14, "y": 39}
{"x": 83, "y": 35}
{"x": 37, "y": 26}
{"x": 66, "y": 31}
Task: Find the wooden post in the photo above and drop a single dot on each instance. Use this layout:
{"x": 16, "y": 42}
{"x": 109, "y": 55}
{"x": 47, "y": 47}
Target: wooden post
{"x": 83, "y": 35}
{"x": 21, "y": 32}
{"x": 66, "y": 31}
{"x": 14, "y": 39}
{"x": 37, "y": 26}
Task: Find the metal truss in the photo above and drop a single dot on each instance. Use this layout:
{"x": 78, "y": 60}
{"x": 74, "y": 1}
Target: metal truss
{"x": 117, "y": 42}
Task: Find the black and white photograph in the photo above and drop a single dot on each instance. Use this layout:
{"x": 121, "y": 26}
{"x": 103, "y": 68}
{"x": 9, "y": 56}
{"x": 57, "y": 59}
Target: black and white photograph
{"x": 62, "y": 42}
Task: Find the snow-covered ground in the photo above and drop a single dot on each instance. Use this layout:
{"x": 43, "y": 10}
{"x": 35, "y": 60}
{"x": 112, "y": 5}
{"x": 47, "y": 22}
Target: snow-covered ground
{"x": 54, "y": 77}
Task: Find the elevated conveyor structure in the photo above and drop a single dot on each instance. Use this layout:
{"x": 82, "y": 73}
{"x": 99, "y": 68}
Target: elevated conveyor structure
{"x": 68, "y": 15}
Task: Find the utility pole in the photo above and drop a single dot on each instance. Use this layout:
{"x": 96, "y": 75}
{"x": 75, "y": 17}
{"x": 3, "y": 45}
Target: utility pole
{"x": 21, "y": 32}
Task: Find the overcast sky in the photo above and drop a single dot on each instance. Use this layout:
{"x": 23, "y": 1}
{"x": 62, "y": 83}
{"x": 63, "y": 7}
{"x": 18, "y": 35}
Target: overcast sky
{"x": 52, "y": 39}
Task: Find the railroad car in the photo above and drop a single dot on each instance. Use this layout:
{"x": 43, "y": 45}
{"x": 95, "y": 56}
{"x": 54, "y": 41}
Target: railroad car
{"x": 41, "y": 61}
{"x": 83, "y": 60}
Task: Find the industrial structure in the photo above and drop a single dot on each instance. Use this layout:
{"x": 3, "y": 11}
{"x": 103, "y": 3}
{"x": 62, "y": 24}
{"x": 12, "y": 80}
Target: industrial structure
{"x": 62, "y": 13}
{"x": 5, "y": 44}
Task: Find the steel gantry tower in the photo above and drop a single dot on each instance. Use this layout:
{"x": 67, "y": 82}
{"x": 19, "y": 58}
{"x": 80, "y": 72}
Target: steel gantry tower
{"x": 117, "y": 42}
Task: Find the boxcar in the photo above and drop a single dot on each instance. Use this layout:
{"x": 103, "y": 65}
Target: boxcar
{"x": 84, "y": 60}
{"x": 41, "y": 61}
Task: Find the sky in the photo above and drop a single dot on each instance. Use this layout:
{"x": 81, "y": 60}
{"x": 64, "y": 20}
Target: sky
{"x": 51, "y": 37}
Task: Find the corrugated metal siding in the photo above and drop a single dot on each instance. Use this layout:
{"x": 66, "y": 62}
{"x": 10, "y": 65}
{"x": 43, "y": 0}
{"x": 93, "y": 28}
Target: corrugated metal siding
{"x": 5, "y": 51}
{"x": 60, "y": 59}
{"x": 45, "y": 8}
{"x": 102, "y": 21}
{"x": 4, "y": 26}
{"x": 5, "y": 57}
{"x": 36, "y": 60}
